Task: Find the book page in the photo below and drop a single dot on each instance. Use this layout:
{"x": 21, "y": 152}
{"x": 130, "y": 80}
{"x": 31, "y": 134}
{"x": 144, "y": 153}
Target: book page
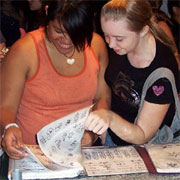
{"x": 60, "y": 140}
{"x": 110, "y": 161}
{"x": 37, "y": 166}
{"x": 165, "y": 157}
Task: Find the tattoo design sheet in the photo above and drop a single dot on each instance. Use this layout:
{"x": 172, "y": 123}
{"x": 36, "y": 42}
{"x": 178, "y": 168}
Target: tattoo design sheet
{"x": 60, "y": 140}
{"x": 110, "y": 161}
{"x": 37, "y": 166}
{"x": 165, "y": 157}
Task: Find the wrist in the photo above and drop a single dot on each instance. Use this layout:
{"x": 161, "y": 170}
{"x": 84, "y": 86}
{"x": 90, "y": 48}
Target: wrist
{"x": 8, "y": 126}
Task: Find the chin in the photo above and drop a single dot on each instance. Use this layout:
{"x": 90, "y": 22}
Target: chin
{"x": 121, "y": 53}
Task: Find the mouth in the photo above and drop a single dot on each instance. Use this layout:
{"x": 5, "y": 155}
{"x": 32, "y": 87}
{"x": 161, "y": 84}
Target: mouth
{"x": 117, "y": 50}
{"x": 65, "y": 46}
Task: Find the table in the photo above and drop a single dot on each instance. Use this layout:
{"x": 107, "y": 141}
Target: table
{"x": 143, "y": 176}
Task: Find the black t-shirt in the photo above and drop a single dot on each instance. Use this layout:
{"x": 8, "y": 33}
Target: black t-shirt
{"x": 126, "y": 84}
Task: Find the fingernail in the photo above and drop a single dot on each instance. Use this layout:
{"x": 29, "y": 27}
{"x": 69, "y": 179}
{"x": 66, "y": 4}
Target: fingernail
{"x": 21, "y": 144}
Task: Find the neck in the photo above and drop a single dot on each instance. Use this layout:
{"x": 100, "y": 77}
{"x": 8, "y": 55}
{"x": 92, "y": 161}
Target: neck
{"x": 144, "y": 53}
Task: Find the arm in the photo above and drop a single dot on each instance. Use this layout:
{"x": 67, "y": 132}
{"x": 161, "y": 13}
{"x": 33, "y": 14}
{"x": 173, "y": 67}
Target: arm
{"x": 102, "y": 98}
{"x": 15, "y": 71}
{"x": 148, "y": 122}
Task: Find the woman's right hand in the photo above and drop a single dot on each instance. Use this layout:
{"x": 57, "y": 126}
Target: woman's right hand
{"x": 12, "y": 143}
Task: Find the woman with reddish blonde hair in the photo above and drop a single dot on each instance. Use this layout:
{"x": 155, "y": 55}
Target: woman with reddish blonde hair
{"x": 137, "y": 47}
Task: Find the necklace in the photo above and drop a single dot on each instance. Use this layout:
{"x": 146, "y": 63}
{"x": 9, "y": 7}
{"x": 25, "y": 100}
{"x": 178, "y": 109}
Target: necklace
{"x": 69, "y": 59}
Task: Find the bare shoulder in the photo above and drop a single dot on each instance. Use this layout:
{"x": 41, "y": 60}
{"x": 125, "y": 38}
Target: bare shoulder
{"x": 98, "y": 45}
{"x": 97, "y": 40}
{"x": 22, "y": 49}
{"x": 21, "y": 58}
{"x": 22, "y": 53}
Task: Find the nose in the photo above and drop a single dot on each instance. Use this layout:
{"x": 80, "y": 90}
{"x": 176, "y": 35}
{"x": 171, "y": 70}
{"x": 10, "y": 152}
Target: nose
{"x": 112, "y": 42}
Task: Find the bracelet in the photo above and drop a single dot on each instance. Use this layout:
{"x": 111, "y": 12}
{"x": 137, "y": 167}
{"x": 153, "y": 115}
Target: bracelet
{"x": 8, "y": 126}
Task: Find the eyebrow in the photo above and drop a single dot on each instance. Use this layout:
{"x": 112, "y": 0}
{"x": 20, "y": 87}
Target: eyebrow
{"x": 114, "y": 36}
{"x": 119, "y": 36}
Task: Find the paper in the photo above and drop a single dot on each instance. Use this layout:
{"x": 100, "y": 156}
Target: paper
{"x": 165, "y": 157}
{"x": 60, "y": 140}
{"x": 37, "y": 166}
{"x": 110, "y": 161}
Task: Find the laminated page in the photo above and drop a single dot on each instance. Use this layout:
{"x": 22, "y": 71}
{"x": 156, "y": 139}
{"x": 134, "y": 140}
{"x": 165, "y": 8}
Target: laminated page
{"x": 113, "y": 160}
{"x": 165, "y": 157}
{"x": 60, "y": 140}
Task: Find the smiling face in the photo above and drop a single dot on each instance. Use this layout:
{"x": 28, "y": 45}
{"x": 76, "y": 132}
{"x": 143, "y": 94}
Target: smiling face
{"x": 119, "y": 37}
{"x": 59, "y": 37}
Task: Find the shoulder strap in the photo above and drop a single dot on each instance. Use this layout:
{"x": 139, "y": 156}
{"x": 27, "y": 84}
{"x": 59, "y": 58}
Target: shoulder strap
{"x": 154, "y": 76}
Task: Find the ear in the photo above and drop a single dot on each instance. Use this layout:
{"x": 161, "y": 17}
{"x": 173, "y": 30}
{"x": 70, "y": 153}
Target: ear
{"x": 144, "y": 31}
{"x": 46, "y": 9}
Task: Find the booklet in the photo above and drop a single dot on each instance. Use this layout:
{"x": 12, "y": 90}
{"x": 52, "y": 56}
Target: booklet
{"x": 38, "y": 166}
{"x": 59, "y": 151}
{"x": 59, "y": 154}
{"x": 148, "y": 158}
{"x": 102, "y": 160}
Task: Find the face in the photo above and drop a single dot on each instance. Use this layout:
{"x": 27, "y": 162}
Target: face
{"x": 34, "y": 4}
{"x": 59, "y": 37}
{"x": 119, "y": 37}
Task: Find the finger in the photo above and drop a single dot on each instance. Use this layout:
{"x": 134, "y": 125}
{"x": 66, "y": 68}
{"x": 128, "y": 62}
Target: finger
{"x": 89, "y": 120}
{"x": 11, "y": 146}
{"x": 12, "y": 150}
{"x": 14, "y": 155}
{"x": 97, "y": 128}
{"x": 103, "y": 130}
{"x": 93, "y": 124}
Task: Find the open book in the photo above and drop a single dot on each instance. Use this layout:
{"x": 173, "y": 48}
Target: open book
{"x": 38, "y": 166}
{"x": 98, "y": 161}
{"x": 159, "y": 158}
{"x": 59, "y": 154}
{"x": 59, "y": 151}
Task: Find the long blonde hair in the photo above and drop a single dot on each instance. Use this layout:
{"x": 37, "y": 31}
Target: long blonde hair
{"x": 138, "y": 13}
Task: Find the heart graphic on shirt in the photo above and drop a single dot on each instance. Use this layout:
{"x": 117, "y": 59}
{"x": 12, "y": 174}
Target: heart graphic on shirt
{"x": 158, "y": 90}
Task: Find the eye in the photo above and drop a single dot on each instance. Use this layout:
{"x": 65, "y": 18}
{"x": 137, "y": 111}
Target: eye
{"x": 119, "y": 39}
{"x": 58, "y": 31}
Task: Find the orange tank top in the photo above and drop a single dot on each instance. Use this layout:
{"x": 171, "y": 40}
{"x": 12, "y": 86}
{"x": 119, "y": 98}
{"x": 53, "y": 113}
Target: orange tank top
{"x": 49, "y": 96}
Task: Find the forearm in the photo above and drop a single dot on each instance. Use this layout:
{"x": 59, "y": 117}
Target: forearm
{"x": 103, "y": 101}
{"x": 125, "y": 130}
{"x": 6, "y": 117}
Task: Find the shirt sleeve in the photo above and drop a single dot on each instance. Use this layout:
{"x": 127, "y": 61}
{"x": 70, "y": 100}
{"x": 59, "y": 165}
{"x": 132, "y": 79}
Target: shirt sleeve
{"x": 160, "y": 92}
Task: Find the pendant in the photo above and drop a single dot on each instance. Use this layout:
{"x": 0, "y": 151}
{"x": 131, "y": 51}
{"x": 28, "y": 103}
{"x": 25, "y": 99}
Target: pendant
{"x": 70, "y": 61}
